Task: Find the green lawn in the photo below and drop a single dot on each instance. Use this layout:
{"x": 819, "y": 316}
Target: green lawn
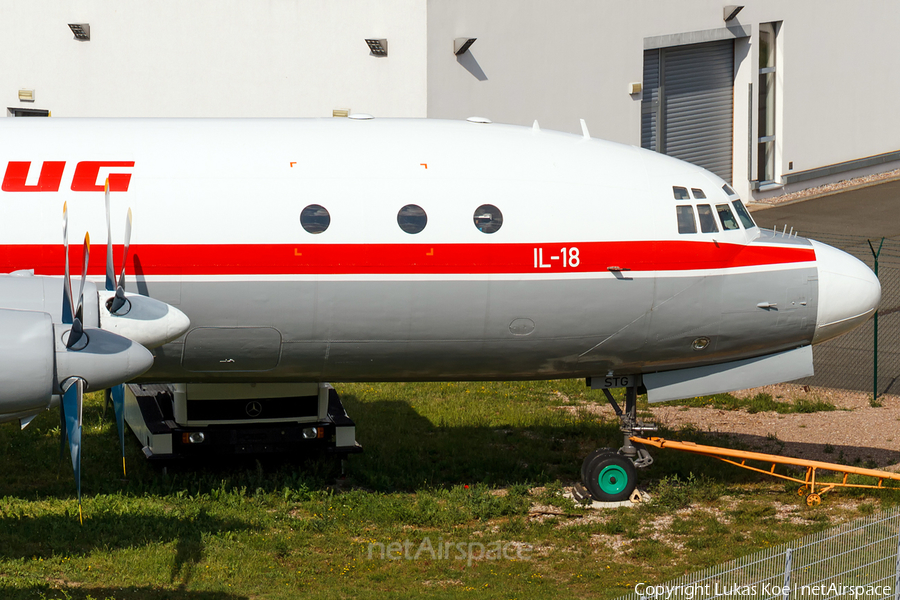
{"x": 464, "y": 479}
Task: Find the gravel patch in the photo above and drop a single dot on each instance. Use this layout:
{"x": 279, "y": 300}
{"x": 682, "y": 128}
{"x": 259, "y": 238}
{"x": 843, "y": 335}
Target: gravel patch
{"x": 824, "y": 190}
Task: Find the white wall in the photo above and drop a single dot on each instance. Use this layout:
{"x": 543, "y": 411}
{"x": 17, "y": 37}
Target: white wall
{"x": 214, "y": 57}
{"x": 568, "y": 59}
{"x": 554, "y": 61}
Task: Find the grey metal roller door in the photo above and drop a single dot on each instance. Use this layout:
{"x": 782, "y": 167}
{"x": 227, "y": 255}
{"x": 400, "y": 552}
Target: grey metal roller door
{"x": 695, "y": 104}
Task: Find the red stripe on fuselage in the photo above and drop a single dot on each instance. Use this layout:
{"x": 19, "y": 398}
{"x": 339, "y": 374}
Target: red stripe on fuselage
{"x": 319, "y": 259}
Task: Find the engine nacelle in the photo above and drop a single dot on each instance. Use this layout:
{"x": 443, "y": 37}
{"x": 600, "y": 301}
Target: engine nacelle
{"x": 26, "y": 363}
{"x": 145, "y": 320}
{"x": 149, "y": 322}
{"x": 23, "y": 290}
{"x": 101, "y": 358}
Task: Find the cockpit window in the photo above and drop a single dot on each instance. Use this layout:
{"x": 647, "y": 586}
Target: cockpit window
{"x": 698, "y": 194}
{"x": 680, "y": 193}
{"x": 686, "y": 223}
{"x": 743, "y": 214}
{"x": 727, "y": 217}
{"x": 707, "y": 220}
{"x": 728, "y": 190}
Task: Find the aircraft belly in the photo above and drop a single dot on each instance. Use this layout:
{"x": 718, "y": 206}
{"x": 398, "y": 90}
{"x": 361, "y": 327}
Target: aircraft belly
{"x": 479, "y": 329}
{"x": 341, "y": 330}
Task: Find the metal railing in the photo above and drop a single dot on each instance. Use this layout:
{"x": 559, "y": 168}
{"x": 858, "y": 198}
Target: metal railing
{"x": 859, "y": 559}
{"x": 868, "y": 358}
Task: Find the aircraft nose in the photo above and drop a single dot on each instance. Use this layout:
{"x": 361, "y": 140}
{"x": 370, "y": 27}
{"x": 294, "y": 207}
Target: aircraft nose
{"x": 849, "y": 292}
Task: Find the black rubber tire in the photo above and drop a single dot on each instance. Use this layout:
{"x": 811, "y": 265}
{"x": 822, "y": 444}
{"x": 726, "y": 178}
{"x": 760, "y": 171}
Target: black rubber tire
{"x": 590, "y": 458}
{"x": 606, "y": 483}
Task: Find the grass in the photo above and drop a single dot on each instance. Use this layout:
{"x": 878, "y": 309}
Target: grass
{"x": 478, "y": 464}
{"x": 761, "y": 402}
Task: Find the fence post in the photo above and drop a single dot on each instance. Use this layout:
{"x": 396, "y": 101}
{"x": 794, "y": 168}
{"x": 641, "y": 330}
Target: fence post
{"x": 897, "y": 573}
{"x": 788, "y": 559}
{"x": 875, "y": 319}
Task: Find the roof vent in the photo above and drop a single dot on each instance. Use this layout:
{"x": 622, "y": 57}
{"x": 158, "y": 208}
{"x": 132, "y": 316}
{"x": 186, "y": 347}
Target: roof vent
{"x": 361, "y": 116}
{"x": 478, "y": 120}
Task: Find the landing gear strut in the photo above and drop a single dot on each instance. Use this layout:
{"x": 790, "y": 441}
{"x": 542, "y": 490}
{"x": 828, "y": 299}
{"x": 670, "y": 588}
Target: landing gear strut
{"x": 608, "y": 475}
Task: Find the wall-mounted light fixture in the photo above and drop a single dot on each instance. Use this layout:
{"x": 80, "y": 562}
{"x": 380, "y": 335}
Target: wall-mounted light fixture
{"x": 340, "y": 112}
{"x": 378, "y": 47}
{"x": 26, "y": 95}
{"x": 461, "y": 45}
{"x": 82, "y": 31}
{"x": 731, "y": 11}
{"x": 635, "y": 87}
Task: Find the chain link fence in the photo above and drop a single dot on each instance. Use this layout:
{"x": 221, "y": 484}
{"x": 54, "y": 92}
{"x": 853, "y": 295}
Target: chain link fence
{"x": 856, "y": 560}
{"x": 852, "y": 361}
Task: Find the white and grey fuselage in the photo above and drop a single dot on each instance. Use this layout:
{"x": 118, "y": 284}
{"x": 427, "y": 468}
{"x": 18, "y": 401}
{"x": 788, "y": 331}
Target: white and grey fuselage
{"x": 538, "y": 254}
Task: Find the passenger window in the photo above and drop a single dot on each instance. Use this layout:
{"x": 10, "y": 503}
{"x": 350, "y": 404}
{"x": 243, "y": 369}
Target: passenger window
{"x": 698, "y": 194}
{"x": 727, "y": 217}
{"x": 707, "y": 220}
{"x": 686, "y": 223}
{"x": 488, "y": 218}
{"x": 680, "y": 193}
{"x": 314, "y": 218}
{"x": 412, "y": 219}
{"x": 743, "y": 214}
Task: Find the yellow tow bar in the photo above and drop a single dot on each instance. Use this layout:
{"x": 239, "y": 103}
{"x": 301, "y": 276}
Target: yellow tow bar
{"x": 808, "y": 485}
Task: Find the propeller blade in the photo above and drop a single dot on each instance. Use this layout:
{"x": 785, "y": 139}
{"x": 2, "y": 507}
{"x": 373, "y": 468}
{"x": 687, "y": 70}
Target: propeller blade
{"x": 73, "y": 402}
{"x": 68, "y": 310}
{"x": 128, "y": 221}
{"x": 75, "y": 334}
{"x": 118, "y": 402}
{"x": 79, "y": 312}
{"x": 119, "y": 301}
{"x": 77, "y": 331}
{"x": 110, "y": 272}
{"x": 62, "y": 429}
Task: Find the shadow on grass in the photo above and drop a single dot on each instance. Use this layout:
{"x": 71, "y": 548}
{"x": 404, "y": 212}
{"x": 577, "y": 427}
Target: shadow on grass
{"x": 403, "y": 451}
{"x": 47, "y": 592}
{"x": 61, "y": 535}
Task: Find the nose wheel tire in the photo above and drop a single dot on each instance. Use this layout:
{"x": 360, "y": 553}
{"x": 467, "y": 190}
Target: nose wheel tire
{"x": 611, "y": 477}
{"x": 590, "y": 459}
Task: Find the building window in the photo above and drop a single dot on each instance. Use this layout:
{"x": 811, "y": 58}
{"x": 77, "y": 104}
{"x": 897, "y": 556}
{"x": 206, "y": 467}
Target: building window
{"x": 765, "y": 147}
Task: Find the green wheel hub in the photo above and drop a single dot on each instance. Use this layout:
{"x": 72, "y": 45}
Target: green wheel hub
{"x": 612, "y": 479}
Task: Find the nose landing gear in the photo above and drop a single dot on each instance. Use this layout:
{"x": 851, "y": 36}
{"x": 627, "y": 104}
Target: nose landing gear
{"x": 608, "y": 475}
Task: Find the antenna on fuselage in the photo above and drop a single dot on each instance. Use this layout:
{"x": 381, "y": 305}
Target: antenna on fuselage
{"x": 584, "y": 130}
{"x": 535, "y": 127}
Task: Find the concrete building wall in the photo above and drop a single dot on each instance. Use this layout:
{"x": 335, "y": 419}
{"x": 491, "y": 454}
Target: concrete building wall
{"x": 213, "y": 58}
{"x": 560, "y": 61}
{"x": 551, "y": 61}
